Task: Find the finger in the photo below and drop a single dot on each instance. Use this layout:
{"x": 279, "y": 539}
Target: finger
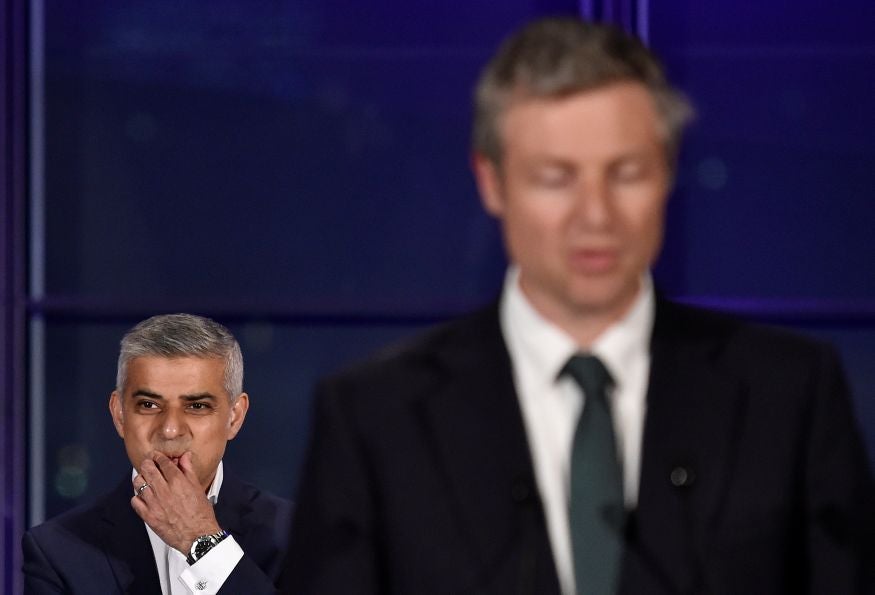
{"x": 168, "y": 469}
{"x": 186, "y": 465}
{"x": 140, "y": 507}
{"x": 149, "y": 470}
{"x": 153, "y": 476}
{"x": 146, "y": 504}
{"x": 147, "y": 495}
{"x": 140, "y": 485}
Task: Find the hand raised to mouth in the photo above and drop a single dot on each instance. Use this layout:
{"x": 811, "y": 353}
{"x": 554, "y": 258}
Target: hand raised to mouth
{"x": 174, "y": 504}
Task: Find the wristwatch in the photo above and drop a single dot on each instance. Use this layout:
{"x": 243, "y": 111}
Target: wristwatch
{"x": 204, "y": 543}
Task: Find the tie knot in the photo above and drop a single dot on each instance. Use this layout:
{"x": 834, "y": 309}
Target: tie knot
{"x": 590, "y": 373}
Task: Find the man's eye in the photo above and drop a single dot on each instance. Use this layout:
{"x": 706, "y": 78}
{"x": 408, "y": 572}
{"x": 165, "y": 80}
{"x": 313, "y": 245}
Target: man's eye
{"x": 629, "y": 172}
{"x": 149, "y": 405}
{"x": 199, "y": 406}
{"x": 552, "y": 178}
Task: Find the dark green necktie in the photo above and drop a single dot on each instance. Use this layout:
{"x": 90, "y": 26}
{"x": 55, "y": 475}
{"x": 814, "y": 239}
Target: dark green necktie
{"x": 596, "y": 500}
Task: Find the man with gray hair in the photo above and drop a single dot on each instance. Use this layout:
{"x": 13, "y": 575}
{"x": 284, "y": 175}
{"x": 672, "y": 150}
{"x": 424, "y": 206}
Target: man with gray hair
{"x": 180, "y": 524}
{"x": 584, "y": 434}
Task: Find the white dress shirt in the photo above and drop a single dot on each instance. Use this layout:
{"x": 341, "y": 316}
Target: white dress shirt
{"x": 551, "y": 405}
{"x": 208, "y": 574}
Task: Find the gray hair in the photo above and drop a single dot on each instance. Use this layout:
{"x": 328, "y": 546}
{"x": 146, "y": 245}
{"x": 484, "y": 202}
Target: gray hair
{"x": 559, "y": 56}
{"x": 182, "y": 335}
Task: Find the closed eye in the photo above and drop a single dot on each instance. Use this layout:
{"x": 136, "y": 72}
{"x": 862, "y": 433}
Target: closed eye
{"x": 552, "y": 176}
{"x": 629, "y": 172}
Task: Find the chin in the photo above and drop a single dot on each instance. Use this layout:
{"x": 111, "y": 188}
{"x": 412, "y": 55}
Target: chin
{"x": 595, "y": 293}
{"x": 607, "y": 302}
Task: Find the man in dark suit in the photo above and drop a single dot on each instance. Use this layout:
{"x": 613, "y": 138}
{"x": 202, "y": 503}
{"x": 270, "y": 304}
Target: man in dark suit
{"x": 584, "y": 434}
{"x": 179, "y": 523}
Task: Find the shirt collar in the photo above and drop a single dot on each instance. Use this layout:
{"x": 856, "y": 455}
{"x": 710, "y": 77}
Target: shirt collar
{"x": 213, "y": 492}
{"x": 544, "y": 345}
{"x": 547, "y": 347}
{"x": 629, "y": 337}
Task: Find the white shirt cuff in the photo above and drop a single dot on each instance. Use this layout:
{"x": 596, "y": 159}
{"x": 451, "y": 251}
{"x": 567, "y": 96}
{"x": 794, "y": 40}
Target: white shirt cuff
{"x": 207, "y": 575}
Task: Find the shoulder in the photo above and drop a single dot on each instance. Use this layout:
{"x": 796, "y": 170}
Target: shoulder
{"x": 739, "y": 343}
{"x": 700, "y": 325}
{"x": 76, "y": 524}
{"x": 257, "y": 518}
{"x": 256, "y": 502}
{"x": 433, "y": 352}
{"x": 383, "y": 391}
{"x": 74, "y": 543}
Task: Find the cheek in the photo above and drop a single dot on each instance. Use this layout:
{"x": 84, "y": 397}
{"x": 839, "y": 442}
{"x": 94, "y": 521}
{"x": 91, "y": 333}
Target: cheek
{"x": 213, "y": 435}
{"x": 137, "y": 433}
{"x": 650, "y": 236}
{"x": 137, "y": 443}
{"x": 534, "y": 223}
{"x": 643, "y": 219}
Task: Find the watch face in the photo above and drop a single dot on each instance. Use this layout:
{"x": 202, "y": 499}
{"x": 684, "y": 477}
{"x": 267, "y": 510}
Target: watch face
{"x": 204, "y": 544}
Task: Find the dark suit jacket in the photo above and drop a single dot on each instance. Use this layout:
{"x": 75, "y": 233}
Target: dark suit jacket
{"x": 104, "y": 548}
{"x": 419, "y": 477}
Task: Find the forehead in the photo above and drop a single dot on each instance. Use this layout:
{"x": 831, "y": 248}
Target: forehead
{"x": 176, "y": 375}
{"x": 618, "y": 117}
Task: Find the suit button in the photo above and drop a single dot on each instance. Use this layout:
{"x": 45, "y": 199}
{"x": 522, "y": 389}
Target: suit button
{"x": 682, "y": 477}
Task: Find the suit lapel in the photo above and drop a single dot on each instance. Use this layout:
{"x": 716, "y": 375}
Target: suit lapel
{"x": 476, "y": 429}
{"x": 127, "y": 545}
{"x": 233, "y": 507}
{"x": 258, "y": 523}
{"x": 693, "y": 411}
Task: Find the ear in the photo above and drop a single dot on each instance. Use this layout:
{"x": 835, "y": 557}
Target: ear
{"x": 238, "y": 414}
{"x": 117, "y": 413}
{"x": 488, "y": 179}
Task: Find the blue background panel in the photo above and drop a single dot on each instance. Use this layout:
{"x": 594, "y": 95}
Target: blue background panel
{"x": 774, "y": 193}
{"x": 339, "y": 132}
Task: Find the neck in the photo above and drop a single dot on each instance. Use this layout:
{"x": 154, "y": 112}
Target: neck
{"x": 209, "y": 483}
{"x": 585, "y": 324}
{"x": 585, "y": 329}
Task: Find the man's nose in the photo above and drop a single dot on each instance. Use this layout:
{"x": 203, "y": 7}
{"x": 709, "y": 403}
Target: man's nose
{"x": 173, "y": 423}
{"x": 592, "y": 207}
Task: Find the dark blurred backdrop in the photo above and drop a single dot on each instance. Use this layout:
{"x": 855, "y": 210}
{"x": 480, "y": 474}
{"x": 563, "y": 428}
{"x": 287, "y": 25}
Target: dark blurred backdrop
{"x": 299, "y": 171}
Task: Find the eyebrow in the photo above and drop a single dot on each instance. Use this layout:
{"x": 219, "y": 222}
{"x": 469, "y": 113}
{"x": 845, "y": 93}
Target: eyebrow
{"x": 206, "y": 396}
{"x": 551, "y": 159}
{"x": 199, "y": 397}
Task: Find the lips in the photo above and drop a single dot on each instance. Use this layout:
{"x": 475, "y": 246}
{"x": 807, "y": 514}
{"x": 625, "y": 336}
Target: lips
{"x": 593, "y": 261}
{"x": 173, "y": 457}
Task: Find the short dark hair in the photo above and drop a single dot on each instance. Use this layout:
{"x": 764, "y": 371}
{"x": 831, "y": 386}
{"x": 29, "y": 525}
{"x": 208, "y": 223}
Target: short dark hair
{"x": 182, "y": 335}
{"x": 559, "y": 56}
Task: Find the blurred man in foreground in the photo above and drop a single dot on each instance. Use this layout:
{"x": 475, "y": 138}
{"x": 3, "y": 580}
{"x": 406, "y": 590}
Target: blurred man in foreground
{"x": 179, "y": 524}
{"x": 583, "y": 434}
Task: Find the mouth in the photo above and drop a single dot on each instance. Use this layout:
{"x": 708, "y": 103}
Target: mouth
{"x": 593, "y": 261}
{"x": 174, "y": 457}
